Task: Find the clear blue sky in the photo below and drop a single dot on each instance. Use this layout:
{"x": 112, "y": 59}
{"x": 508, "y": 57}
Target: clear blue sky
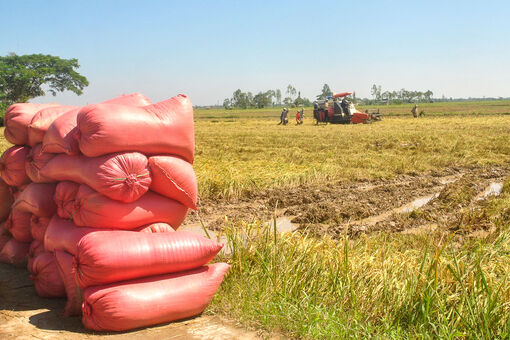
{"x": 208, "y": 49}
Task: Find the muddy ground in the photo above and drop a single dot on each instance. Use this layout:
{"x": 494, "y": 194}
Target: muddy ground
{"x": 363, "y": 207}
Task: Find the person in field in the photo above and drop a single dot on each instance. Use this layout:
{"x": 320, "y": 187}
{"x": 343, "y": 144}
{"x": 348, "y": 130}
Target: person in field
{"x": 298, "y": 118}
{"x": 283, "y": 117}
{"x": 345, "y": 107}
{"x": 301, "y": 115}
{"x": 414, "y": 111}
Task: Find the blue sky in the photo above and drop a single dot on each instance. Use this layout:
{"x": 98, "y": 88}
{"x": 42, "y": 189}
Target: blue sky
{"x": 208, "y": 49}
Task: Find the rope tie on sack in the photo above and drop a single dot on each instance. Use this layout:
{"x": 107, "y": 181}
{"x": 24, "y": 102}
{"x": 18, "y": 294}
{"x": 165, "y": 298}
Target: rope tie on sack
{"x": 77, "y": 270}
{"x": 125, "y": 178}
{"x": 76, "y": 207}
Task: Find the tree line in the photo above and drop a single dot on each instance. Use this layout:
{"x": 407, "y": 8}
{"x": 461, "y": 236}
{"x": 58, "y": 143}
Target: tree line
{"x": 270, "y": 98}
{"x": 398, "y": 97}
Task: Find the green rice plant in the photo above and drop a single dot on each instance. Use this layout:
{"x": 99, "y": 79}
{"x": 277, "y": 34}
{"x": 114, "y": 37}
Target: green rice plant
{"x": 382, "y": 285}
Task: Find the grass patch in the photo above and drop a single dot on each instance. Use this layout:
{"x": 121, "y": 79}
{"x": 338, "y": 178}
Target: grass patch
{"x": 383, "y": 285}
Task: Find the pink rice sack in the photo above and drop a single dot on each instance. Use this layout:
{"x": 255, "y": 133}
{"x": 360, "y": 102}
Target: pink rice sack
{"x": 152, "y": 300}
{"x": 175, "y": 178}
{"x": 35, "y": 161}
{"x": 64, "y": 235}
{"x": 162, "y": 128}
{"x": 12, "y": 166}
{"x": 15, "y": 253}
{"x": 120, "y": 176}
{"x": 36, "y": 248}
{"x": 37, "y": 198}
{"x": 73, "y": 292}
{"x": 112, "y": 256}
{"x": 18, "y": 224}
{"x": 95, "y": 210}
{"x": 47, "y": 280}
{"x": 42, "y": 120}
{"x": 6, "y": 200}
{"x": 65, "y": 193}
{"x": 60, "y": 136}
{"x": 38, "y": 226}
{"x": 17, "y": 117}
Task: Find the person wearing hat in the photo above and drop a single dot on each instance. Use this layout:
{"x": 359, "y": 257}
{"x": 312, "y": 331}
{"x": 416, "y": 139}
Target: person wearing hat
{"x": 283, "y": 117}
{"x": 414, "y": 111}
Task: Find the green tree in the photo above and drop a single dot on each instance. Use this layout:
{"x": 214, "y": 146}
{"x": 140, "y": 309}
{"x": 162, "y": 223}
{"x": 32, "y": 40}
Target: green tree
{"x": 226, "y": 104}
{"x": 291, "y": 91}
{"x": 376, "y": 92}
{"x": 325, "y": 93}
{"x": 302, "y": 101}
{"x": 278, "y": 96}
{"x": 262, "y": 99}
{"x": 428, "y": 95}
{"x": 23, "y": 77}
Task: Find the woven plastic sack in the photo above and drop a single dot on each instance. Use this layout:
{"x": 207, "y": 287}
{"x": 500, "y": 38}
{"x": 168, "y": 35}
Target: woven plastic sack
{"x": 17, "y": 117}
{"x": 6, "y": 200}
{"x": 12, "y": 166}
{"x": 63, "y": 234}
{"x": 60, "y": 137}
{"x": 163, "y": 298}
{"x": 65, "y": 193}
{"x": 36, "y": 248}
{"x": 35, "y": 161}
{"x": 37, "y": 198}
{"x": 18, "y": 224}
{"x": 120, "y": 176}
{"x": 4, "y": 238}
{"x": 162, "y": 128}
{"x": 3, "y": 230}
{"x": 42, "y": 120}
{"x": 73, "y": 293}
{"x": 47, "y": 280}
{"x": 174, "y": 178}
{"x": 15, "y": 253}
{"x": 93, "y": 209}
{"x": 38, "y": 226}
{"x": 16, "y": 191}
{"x": 155, "y": 228}
{"x": 112, "y": 256}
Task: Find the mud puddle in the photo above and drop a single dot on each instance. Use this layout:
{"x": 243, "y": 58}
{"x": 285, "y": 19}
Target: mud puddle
{"x": 494, "y": 189}
{"x": 283, "y": 225}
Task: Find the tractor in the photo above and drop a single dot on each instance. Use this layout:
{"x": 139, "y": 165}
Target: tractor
{"x": 339, "y": 111}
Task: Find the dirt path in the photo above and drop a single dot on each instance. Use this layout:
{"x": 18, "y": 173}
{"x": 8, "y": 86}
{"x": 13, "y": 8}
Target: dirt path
{"x": 24, "y": 315}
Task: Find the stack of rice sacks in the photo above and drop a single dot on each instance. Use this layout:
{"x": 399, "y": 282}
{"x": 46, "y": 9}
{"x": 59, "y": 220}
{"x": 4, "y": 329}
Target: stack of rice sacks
{"x": 98, "y": 194}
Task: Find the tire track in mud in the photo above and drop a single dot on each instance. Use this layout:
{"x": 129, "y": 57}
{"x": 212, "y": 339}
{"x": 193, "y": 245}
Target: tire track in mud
{"x": 363, "y": 207}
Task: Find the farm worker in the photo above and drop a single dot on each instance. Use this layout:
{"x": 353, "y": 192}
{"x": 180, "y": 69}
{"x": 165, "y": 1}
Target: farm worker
{"x": 316, "y": 111}
{"x": 283, "y": 117}
{"x": 301, "y": 115}
{"x": 414, "y": 111}
{"x": 345, "y": 106}
{"x": 298, "y": 118}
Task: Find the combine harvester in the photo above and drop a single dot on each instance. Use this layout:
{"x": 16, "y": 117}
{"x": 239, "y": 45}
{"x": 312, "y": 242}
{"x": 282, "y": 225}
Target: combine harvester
{"x": 337, "y": 111}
